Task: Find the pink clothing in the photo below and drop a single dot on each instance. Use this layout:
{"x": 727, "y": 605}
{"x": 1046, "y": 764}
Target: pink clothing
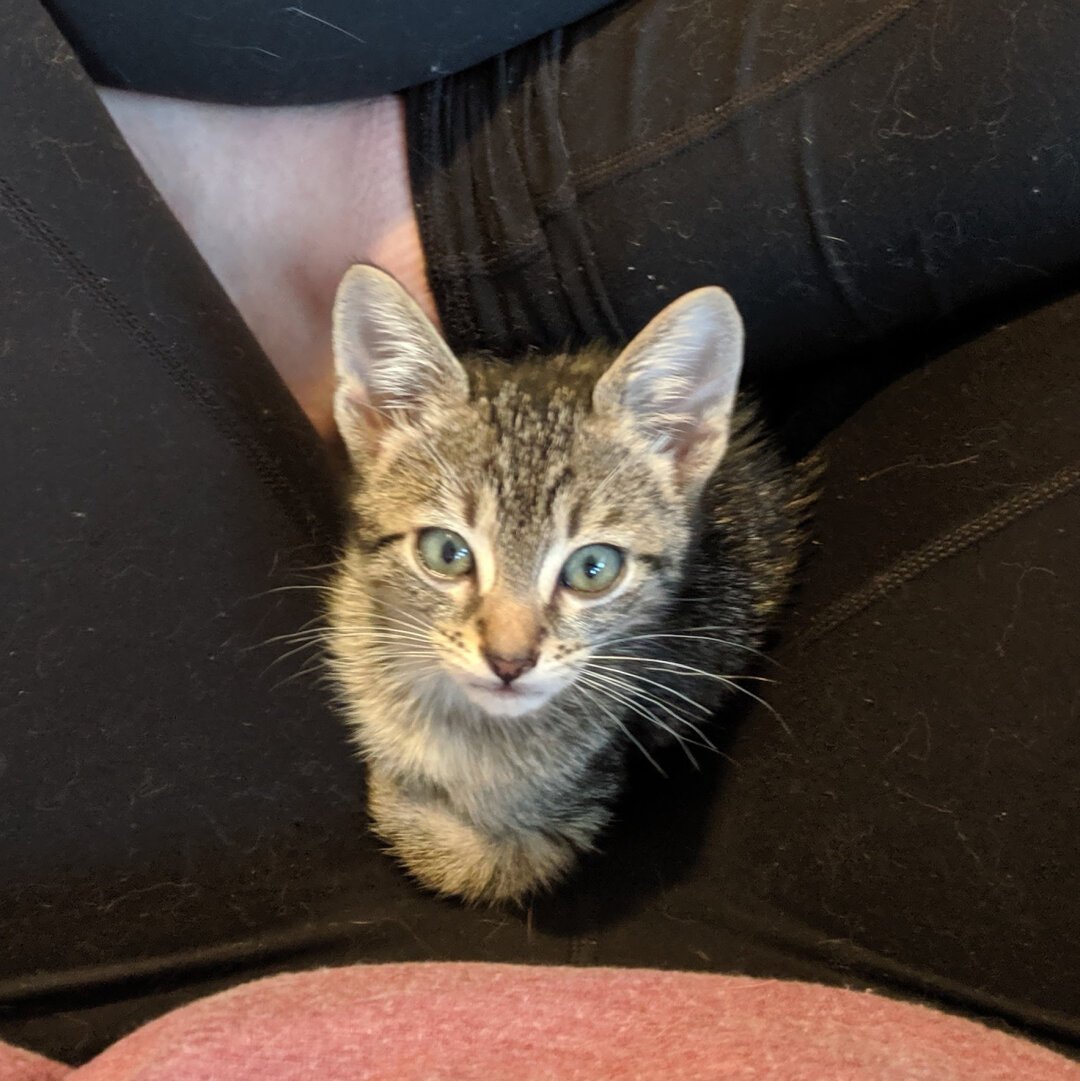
{"x": 475, "y": 1022}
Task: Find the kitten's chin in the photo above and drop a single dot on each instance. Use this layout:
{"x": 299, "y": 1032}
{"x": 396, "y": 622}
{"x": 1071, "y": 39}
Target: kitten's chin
{"x": 499, "y": 701}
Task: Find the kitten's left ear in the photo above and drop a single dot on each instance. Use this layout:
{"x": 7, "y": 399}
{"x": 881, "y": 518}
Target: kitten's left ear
{"x": 675, "y": 383}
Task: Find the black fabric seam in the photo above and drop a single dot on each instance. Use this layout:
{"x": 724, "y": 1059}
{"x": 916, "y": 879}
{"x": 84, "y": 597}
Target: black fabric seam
{"x": 696, "y": 132}
{"x": 33, "y": 226}
{"x": 121, "y": 978}
{"x": 706, "y": 126}
{"x": 848, "y": 957}
{"x": 916, "y": 562}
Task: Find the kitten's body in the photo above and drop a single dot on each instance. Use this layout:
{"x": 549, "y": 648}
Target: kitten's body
{"x": 488, "y": 790}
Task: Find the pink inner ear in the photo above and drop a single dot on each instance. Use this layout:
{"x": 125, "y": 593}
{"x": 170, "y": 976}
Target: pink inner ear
{"x": 696, "y": 450}
{"x": 692, "y": 443}
{"x": 366, "y": 423}
{"x": 687, "y": 440}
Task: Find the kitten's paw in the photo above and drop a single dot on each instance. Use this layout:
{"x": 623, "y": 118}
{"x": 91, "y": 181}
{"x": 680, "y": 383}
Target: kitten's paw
{"x": 451, "y": 856}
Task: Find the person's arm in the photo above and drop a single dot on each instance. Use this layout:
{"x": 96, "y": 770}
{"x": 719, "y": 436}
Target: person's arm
{"x": 265, "y": 53}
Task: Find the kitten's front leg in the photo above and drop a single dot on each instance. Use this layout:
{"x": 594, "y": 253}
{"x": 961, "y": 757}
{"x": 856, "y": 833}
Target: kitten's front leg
{"x": 452, "y": 855}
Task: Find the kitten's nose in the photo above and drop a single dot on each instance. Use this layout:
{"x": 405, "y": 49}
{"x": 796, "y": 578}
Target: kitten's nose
{"x": 509, "y": 668}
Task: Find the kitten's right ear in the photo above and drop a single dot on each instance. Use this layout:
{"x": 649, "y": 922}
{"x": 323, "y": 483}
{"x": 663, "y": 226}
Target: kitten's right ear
{"x": 393, "y": 368}
{"x": 674, "y": 385}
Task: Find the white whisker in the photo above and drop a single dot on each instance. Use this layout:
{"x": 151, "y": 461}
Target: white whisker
{"x": 655, "y": 683}
{"x": 626, "y": 731}
{"x": 683, "y": 668}
{"x": 686, "y": 634}
{"x": 629, "y": 698}
{"x": 645, "y": 695}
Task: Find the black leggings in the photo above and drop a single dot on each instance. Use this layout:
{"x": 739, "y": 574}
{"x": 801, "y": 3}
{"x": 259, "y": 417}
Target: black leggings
{"x": 875, "y": 186}
{"x": 853, "y": 173}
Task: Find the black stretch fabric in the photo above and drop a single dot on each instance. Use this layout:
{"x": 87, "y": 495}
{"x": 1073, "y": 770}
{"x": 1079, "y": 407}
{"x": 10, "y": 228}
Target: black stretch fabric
{"x": 258, "y": 52}
{"x": 852, "y": 172}
{"x": 179, "y": 807}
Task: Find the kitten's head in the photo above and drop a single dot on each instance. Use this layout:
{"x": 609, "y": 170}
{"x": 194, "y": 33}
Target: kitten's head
{"x": 516, "y": 520}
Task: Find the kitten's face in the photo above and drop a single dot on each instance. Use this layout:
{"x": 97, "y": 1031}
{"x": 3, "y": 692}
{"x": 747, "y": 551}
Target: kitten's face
{"x": 509, "y": 565}
{"x": 518, "y": 521}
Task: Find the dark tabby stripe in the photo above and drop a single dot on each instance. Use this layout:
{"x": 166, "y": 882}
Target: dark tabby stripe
{"x": 371, "y": 547}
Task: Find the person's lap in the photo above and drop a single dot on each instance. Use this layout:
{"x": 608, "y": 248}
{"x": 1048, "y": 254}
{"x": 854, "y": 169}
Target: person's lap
{"x": 174, "y": 819}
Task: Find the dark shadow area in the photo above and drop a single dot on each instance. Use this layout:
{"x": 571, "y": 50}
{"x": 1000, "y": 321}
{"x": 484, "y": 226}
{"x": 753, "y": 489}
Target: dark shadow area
{"x": 811, "y": 402}
{"x": 659, "y": 831}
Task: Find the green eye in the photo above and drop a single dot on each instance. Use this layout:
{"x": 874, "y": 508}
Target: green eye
{"x": 444, "y": 553}
{"x": 592, "y": 569}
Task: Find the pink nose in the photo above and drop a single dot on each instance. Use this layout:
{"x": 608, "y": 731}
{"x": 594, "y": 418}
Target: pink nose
{"x": 509, "y": 668}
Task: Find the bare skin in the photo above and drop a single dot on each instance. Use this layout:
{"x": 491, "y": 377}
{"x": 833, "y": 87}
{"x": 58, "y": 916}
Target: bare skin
{"x": 280, "y": 202}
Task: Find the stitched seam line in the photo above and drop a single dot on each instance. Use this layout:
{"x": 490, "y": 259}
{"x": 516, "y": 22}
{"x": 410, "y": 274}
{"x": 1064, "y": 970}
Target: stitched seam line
{"x": 31, "y": 225}
{"x": 813, "y": 944}
{"x": 922, "y": 559}
{"x": 21, "y": 991}
{"x": 698, "y": 130}
{"x": 706, "y": 125}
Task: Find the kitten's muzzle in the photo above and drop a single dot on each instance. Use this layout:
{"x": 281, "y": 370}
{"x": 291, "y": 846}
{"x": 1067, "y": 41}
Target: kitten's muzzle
{"x": 509, "y": 668}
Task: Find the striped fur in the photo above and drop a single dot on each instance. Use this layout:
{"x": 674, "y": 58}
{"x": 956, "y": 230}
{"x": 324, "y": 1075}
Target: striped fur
{"x": 487, "y": 791}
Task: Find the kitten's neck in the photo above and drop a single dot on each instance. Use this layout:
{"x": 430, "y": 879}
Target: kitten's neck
{"x": 451, "y": 743}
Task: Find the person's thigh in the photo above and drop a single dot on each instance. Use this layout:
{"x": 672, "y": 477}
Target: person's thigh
{"x": 162, "y": 780}
{"x": 907, "y": 817}
{"x": 173, "y": 816}
{"x": 919, "y": 824}
{"x": 180, "y": 808}
{"x": 849, "y": 170}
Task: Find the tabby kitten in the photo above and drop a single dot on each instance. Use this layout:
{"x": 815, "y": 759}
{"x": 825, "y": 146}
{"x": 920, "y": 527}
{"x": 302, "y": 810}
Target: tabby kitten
{"x": 551, "y": 564}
